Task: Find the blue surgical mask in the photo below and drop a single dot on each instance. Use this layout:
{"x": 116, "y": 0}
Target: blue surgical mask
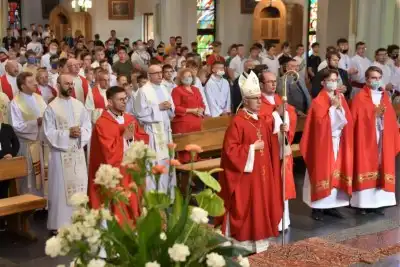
{"x": 31, "y": 60}
{"x": 332, "y": 86}
{"x": 375, "y": 85}
{"x": 187, "y": 80}
{"x": 54, "y": 66}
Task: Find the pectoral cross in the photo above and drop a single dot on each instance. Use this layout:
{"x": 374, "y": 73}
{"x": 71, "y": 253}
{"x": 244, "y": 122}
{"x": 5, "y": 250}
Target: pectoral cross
{"x": 259, "y": 135}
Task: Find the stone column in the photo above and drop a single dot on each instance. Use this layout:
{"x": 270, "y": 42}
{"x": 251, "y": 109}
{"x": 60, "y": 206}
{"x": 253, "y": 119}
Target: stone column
{"x": 396, "y": 22}
{"x": 374, "y": 27}
{"x": 387, "y": 29}
{"x": 3, "y": 18}
{"x": 171, "y": 19}
{"x": 363, "y": 15}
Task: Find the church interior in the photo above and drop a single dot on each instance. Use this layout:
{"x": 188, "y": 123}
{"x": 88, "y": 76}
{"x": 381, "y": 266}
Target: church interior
{"x": 370, "y": 240}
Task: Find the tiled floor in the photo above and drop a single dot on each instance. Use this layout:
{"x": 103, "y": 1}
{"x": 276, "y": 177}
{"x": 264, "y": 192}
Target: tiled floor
{"x": 15, "y": 251}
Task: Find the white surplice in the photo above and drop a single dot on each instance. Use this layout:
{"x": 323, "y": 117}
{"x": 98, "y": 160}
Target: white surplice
{"x": 344, "y": 62}
{"x": 169, "y": 85}
{"x": 218, "y": 95}
{"x": 60, "y": 115}
{"x": 46, "y": 93}
{"x": 374, "y": 197}
{"x": 157, "y": 124}
{"x": 203, "y": 95}
{"x": 361, "y": 64}
{"x": 322, "y": 65}
{"x": 337, "y": 198}
{"x": 28, "y": 133}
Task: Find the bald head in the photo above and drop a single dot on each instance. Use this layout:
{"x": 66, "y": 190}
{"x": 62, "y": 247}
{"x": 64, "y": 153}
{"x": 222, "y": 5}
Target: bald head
{"x": 249, "y": 65}
{"x": 268, "y": 83}
{"x": 73, "y": 66}
{"x": 12, "y": 68}
{"x": 155, "y": 74}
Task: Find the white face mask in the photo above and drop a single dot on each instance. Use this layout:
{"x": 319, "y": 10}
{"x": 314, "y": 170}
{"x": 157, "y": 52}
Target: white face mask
{"x": 332, "y": 86}
{"x": 220, "y": 73}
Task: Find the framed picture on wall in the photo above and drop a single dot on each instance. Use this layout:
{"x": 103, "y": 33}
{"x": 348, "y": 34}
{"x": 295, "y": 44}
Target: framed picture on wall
{"x": 247, "y": 6}
{"x": 120, "y": 9}
{"x": 47, "y": 7}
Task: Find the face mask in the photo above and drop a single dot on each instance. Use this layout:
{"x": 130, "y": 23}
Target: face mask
{"x": 161, "y": 53}
{"x": 344, "y": 51}
{"x": 31, "y": 60}
{"x": 111, "y": 47}
{"x": 22, "y": 53}
{"x": 395, "y": 56}
{"x": 249, "y": 71}
{"x": 375, "y": 85}
{"x": 53, "y": 51}
{"x": 187, "y": 80}
{"x": 220, "y": 73}
{"x": 141, "y": 47}
{"x": 332, "y": 86}
{"x": 54, "y": 66}
{"x": 178, "y": 44}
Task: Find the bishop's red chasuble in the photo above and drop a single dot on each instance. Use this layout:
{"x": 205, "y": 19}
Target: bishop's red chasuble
{"x": 317, "y": 149}
{"x": 107, "y": 147}
{"x": 267, "y": 108}
{"x": 367, "y": 172}
{"x": 253, "y": 199}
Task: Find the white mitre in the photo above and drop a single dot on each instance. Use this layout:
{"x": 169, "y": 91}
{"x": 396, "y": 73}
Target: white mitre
{"x": 250, "y": 86}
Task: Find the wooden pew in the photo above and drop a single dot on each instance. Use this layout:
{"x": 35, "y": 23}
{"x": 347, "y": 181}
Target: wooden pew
{"x": 214, "y": 123}
{"x": 17, "y": 207}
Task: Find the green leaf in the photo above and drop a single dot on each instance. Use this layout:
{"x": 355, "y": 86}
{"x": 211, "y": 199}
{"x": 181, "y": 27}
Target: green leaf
{"x": 176, "y": 208}
{"x": 231, "y": 263}
{"x": 231, "y": 251}
{"x": 216, "y": 170}
{"x": 208, "y": 180}
{"x": 210, "y": 202}
{"x": 158, "y": 200}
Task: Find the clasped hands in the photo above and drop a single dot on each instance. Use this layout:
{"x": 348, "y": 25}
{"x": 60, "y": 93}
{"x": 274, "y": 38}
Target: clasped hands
{"x": 335, "y": 102}
{"x": 129, "y": 131}
{"x": 164, "y": 105}
{"x": 195, "y": 111}
{"x": 75, "y": 132}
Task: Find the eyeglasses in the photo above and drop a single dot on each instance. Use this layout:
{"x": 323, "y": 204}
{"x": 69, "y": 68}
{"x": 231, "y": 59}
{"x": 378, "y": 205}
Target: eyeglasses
{"x": 155, "y": 73}
{"x": 125, "y": 99}
{"x": 271, "y": 81}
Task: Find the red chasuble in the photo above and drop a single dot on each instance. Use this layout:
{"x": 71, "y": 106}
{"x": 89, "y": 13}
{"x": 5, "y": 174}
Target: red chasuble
{"x": 367, "y": 172}
{"x": 85, "y": 87}
{"x": 266, "y": 110}
{"x": 317, "y": 149}
{"x": 186, "y": 122}
{"x": 98, "y": 99}
{"x": 6, "y": 87}
{"x": 252, "y": 200}
{"x": 107, "y": 147}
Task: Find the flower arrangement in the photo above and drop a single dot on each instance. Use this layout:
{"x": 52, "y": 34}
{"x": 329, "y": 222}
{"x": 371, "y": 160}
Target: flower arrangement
{"x": 168, "y": 232}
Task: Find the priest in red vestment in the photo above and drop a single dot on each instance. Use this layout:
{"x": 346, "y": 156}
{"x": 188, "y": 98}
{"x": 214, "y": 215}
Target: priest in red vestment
{"x": 112, "y": 134}
{"x": 81, "y": 85}
{"x": 97, "y": 101}
{"x": 327, "y": 150}
{"x": 8, "y": 81}
{"x": 250, "y": 189}
{"x": 376, "y": 144}
{"x": 189, "y": 108}
{"x": 272, "y": 106}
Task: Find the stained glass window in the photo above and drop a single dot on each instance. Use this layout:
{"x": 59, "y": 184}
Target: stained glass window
{"x": 206, "y": 27}
{"x": 312, "y": 22}
{"x": 14, "y": 14}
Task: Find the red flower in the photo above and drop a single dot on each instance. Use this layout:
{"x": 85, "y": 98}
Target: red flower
{"x": 193, "y": 148}
{"x": 158, "y": 169}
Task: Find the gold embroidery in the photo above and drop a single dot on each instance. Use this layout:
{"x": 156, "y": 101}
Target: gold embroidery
{"x": 390, "y": 178}
{"x": 322, "y": 185}
{"x": 348, "y": 180}
{"x": 375, "y": 176}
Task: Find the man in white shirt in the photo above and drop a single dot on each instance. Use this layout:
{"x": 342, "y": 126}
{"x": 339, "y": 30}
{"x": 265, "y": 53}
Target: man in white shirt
{"x": 255, "y": 55}
{"x": 35, "y": 45}
{"x": 380, "y": 62}
{"x": 393, "y": 53}
{"x": 99, "y": 56}
{"x": 46, "y": 91}
{"x": 45, "y": 61}
{"x": 271, "y": 60}
{"x": 33, "y": 28}
{"x": 53, "y": 72}
{"x": 168, "y": 81}
{"x": 217, "y": 91}
{"x": 301, "y": 61}
{"x": 324, "y": 63}
{"x": 113, "y": 78}
{"x": 236, "y": 64}
{"x": 140, "y": 58}
{"x": 343, "y": 47}
{"x": 361, "y": 63}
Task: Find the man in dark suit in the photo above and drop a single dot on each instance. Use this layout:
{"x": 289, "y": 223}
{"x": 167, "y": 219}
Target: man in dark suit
{"x": 297, "y": 92}
{"x": 236, "y": 96}
{"x": 344, "y": 85}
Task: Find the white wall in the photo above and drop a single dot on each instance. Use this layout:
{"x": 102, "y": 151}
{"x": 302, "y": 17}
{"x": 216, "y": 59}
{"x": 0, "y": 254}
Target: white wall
{"x": 32, "y": 13}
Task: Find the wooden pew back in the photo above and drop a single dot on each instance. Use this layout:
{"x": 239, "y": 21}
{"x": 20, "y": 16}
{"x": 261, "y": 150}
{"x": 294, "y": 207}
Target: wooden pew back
{"x": 209, "y": 140}
{"x": 215, "y": 123}
{"x": 13, "y": 168}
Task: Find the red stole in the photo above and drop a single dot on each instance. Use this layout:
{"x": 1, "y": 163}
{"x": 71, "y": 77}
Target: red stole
{"x": 367, "y": 172}
{"x": 267, "y": 109}
{"x": 85, "y": 87}
{"x": 317, "y": 149}
{"x": 98, "y": 98}
{"x": 6, "y": 87}
{"x": 53, "y": 91}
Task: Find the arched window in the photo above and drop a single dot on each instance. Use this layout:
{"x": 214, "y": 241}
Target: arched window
{"x": 206, "y": 26}
{"x": 312, "y": 22}
{"x": 14, "y": 14}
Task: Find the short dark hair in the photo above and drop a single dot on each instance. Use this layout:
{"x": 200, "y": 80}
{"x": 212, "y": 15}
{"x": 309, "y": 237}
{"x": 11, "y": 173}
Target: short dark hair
{"x": 62, "y": 62}
{"x": 180, "y": 37}
{"x": 113, "y": 90}
{"x": 102, "y": 61}
{"x": 35, "y": 33}
{"x": 120, "y": 76}
{"x": 217, "y": 63}
{"x": 330, "y": 54}
{"x": 191, "y": 64}
{"x": 167, "y": 67}
{"x": 216, "y": 44}
{"x": 193, "y": 43}
{"x": 121, "y": 47}
{"x": 254, "y": 47}
{"x": 54, "y": 58}
{"x": 54, "y": 41}
{"x": 21, "y": 78}
{"x": 380, "y": 50}
{"x": 299, "y": 45}
{"x": 314, "y": 44}
{"x": 29, "y": 53}
{"x": 326, "y": 73}
{"x": 285, "y": 44}
{"x": 330, "y": 49}
{"x": 359, "y": 44}
{"x": 342, "y": 41}
{"x": 372, "y": 69}
{"x": 392, "y": 47}
{"x": 142, "y": 76}
{"x": 269, "y": 46}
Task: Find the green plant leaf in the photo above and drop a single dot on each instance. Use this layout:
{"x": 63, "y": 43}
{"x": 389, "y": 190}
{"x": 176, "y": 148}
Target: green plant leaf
{"x": 208, "y": 180}
{"x": 216, "y": 170}
{"x": 176, "y": 208}
{"x": 231, "y": 251}
{"x": 210, "y": 202}
{"x": 156, "y": 199}
{"x": 231, "y": 263}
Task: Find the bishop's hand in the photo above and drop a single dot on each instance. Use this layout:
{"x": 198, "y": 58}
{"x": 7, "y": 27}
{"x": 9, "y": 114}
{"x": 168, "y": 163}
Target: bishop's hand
{"x": 380, "y": 110}
{"x": 259, "y": 145}
{"x": 75, "y": 132}
{"x": 335, "y": 101}
{"x": 284, "y": 128}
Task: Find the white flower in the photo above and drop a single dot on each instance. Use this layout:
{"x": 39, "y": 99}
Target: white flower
{"x": 91, "y": 218}
{"x": 108, "y": 176}
{"x": 96, "y": 263}
{"x": 218, "y": 231}
{"x": 215, "y": 260}
{"x": 226, "y": 244}
{"x": 152, "y": 264}
{"x": 95, "y": 238}
{"x": 144, "y": 212}
{"x": 199, "y": 215}
{"x": 79, "y": 199}
{"x": 178, "y": 252}
{"x": 163, "y": 236}
{"x": 53, "y": 247}
{"x": 106, "y": 215}
{"x": 244, "y": 262}
{"x": 138, "y": 150}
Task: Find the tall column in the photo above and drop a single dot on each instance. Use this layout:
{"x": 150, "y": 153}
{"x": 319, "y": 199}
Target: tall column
{"x": 396, "y": 34}
{"x": 171, "y": 19}
{"x": 362, "y": 19}
{"x": 374, "y": 27}
{"x": 3, "y": 17}
{"x": 352, "y": 26}
{"x": 322, "y": 26}
{"x": 387, "y": 28}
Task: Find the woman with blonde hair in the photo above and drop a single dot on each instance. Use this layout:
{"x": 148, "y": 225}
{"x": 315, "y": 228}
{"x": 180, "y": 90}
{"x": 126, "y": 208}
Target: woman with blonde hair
{"x": 189, "y": 107}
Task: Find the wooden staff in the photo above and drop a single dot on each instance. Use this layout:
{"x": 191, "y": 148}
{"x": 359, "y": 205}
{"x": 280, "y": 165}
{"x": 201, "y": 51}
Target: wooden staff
{"x": 295, "y": 76}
